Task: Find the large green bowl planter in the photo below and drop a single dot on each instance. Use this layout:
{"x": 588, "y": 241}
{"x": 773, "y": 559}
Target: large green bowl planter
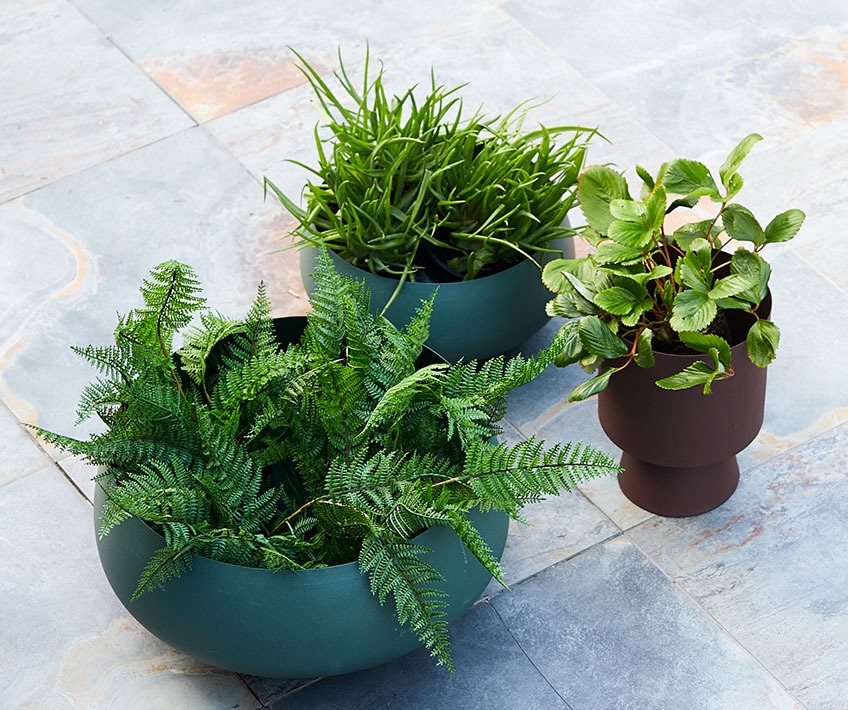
{"x": 317, "y": 622}
{"x": 475, "y": 319}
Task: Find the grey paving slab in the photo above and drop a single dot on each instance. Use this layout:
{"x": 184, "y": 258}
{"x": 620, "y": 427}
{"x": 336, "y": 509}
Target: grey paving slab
{"x": 556, "y": 529}
{"x": 480, "y": 48}
{"x": 808, "y": 382}
{"x": 772, "y": 566}
{"x": 65, "y": 641}
{"x": 492, "y": 672}
{"x": 609, "y": 631}
{"x": 19, "y": 453}
{"x": 696, "y": 79}
{"x": 563, "y": 421}
{"x": 82, "y": 246}
{"x": 809, "y": 172}
{"x": 80, "y": 473}
{"x": 216, "y": 57}
{"x": 68, "y": 98}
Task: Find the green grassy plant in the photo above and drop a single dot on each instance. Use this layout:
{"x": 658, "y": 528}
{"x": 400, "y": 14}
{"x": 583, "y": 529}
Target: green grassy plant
{"x": 396, "y": 172}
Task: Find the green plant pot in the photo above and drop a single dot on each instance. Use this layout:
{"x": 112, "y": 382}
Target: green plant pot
{"x": 475, "y": 319}
{"x": 313, "y": 623}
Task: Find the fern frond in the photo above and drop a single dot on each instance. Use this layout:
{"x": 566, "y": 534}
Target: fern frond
{"x": 100, "y": 397}
{"x": 167, "y": 563}
{"x": 199, "y": 342}
{"x": 475, "y": 543}
{"x": 396, "y": 566}
{"x": 506, "y": 476}
{"x": 111, "y": 360}
{"x": 171, "y": 296}
{"x": 399, "y": 396}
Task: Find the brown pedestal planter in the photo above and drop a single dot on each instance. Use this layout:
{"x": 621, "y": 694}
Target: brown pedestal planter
{"x": 680, "y": 446}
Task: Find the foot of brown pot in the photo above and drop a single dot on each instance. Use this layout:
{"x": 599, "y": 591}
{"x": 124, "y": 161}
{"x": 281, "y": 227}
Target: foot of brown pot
{"x": 677, "y": 492}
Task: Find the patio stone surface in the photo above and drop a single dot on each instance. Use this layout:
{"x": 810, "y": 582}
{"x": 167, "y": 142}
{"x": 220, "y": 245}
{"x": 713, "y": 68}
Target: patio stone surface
{"x": 65, "y": 640}
{"x": 71, "y": 99}
{"x": 772, "y": 569}
{"x": 609, "y": 625}
{"x": 132, "y": 133}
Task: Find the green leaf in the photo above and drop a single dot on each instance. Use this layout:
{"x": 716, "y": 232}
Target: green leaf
{"x": 695, "y": 269}
{"x": 633, "y": 225}
{"x": 591, "y": 387}
{"x": 689, "y": 177}
{"x": 740, "y": 223}
{"x": 613, "y": 253}
{"x": 579, "y": 287}
{"x": 599, "y": 340}
{"x": 734, "y": 185}
{"x": 629, "y": 300}
{"x": 572, "y": 346}
{"x": 630, "y": 234}
{"x": 628, "y": 210}
{"x": 737, "y": 155}
{"x": 692, "y": 310}
{"x": 698, "y": 373}
{"x": 553, "y": 275}
{"x": 689, "y": 202}
{"x": 731, "y": 286}
{"x": 658, "y": 272}
{"x": 753, "y": 266}
{"x": 620, "y": 301}
{"x": 644, "y": 351}
{"x": 597, "y": 187}
{"x": 707, "y": 342}
{"x": 655, "y": 208}
{"x": 646, "y": 177}
{"x": 686, "y": 234}
{"x": 762, "y": 341}
{"x": 563, "y": 306}
{"x": 784, "y": 226}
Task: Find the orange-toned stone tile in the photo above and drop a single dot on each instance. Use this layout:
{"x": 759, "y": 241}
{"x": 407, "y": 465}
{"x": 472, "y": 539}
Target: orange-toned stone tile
{"x": 211, "y": 85}
{"x": 808, "y": 76}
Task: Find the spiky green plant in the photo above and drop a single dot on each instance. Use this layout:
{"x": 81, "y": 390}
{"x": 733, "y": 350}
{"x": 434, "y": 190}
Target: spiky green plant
{"x": 398, "y": 172}
{"x": 335, "y": 448}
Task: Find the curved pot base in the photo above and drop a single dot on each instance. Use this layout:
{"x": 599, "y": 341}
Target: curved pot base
{"x": 677, "y": 492}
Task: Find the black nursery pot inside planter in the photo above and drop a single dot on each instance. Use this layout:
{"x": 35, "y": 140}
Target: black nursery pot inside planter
{"x": 679, "y": 446}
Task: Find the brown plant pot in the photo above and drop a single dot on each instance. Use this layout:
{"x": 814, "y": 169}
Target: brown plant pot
{"x": 679, "y": 446}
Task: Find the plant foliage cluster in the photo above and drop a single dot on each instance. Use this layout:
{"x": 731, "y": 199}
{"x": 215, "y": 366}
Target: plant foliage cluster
{"x": 334, "y": 448}
{"x": 398, "y": 173}
{"x": 647, "y": 288}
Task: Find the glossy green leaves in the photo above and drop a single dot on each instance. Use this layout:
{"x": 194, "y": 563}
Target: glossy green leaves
{"x": 701, "y": 372}
{"x": 628, "y": 300}
{"x": 597, "y": 188}
{"x": 689, "y": 177}
{"x": 648, "y": 284}
{"x": 763, "y": 339}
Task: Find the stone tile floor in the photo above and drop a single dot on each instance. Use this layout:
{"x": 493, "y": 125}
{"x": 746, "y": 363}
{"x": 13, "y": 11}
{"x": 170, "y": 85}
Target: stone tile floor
{"x": 135, "y": 132}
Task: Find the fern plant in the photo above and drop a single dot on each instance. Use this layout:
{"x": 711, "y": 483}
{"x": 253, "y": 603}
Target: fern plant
{"x": 334, "y": 448}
